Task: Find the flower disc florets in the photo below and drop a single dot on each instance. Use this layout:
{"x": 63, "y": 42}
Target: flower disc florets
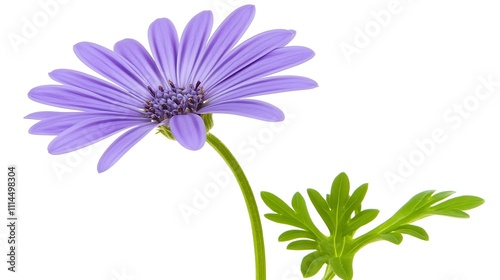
{"x": 168, "y": 102}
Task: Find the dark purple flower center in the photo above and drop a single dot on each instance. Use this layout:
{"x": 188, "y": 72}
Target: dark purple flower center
{"x": 168, "y": 102}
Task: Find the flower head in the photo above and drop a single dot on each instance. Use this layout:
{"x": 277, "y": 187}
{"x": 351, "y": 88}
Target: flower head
{"x": 171, "y": 88}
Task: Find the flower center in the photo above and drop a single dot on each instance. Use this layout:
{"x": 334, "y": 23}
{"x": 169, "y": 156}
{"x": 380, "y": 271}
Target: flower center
{"x": 166, "y": 103}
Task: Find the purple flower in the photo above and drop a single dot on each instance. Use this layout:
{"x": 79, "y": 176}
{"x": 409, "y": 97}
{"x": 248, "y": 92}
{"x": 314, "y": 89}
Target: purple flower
{"x": 172, "y": 89}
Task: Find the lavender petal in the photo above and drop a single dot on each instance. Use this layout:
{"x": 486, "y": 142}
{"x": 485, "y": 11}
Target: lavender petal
{"x": 70, "y": 97}
{"x": 95, "y": 85}
{"x": 265, "y": 86}
{"x": 43, "y": 115}
{"x": 89, "y": 132}
{"x": 65, "y": 120}
{"x": 141, "y": 60}
{"x": 224, "y": 39}
{"x": 248, "y": 52}
{"x": 122, "y": 145}
{"x": 112, "y": 66}
{"x": 273, "y": 62}
{"x": 164, "y": 43}
{"x": 189, "y": 131}
{"x": 248, "y": 108}
{"x": 193, "y": 40}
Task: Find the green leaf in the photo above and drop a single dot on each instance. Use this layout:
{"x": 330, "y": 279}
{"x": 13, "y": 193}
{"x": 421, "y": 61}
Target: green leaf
{"x": 295, "y": 234}
{"x": 281, "y": 219}
{"x": 299, "y": 204}
{"x": 414, "y": 231}
{"x": 465, "y": 202}
{"x": 438, "y": 197}
{"x": 303, "y": 245}
{"x": 276, "y": 204}
{"x": 339, "y": 193}
{"x": 427, "y": 195}
{"x": 321, "y": 206}
{"x": 312, "y": 263}
{"x": 452, "y": 213}
{"x": 361, "y": 219}
{"x": 413, "y": 203}
{"x": 343, "y": 215}
{"x": 394, "y": 237}
{"x": 354, "y": 202}
{"x": 342, "y": 266}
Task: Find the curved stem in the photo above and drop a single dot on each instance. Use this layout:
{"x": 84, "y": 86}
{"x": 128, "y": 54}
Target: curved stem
{"x": 258, "y": 237}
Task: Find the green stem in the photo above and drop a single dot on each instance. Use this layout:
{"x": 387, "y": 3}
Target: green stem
{"x": 258, "y": 237}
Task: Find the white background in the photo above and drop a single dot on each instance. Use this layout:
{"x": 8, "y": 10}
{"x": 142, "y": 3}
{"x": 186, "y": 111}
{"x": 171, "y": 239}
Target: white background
{"x": 364, "y": 118}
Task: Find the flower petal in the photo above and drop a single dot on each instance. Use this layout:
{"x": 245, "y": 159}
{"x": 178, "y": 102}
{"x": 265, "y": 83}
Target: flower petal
{"x": 43, "y": 115}
{"x": 122, "y": 144}
{"x": 248, "y": 52}
{"x": 112, "y": 66}
{"x": 95, "y": 85}
{"x": 70, "y": 97}
{"x": 193, "y": 40}
{"x": 189, "y": 131}
{"x": 273, "y": 62}
{"x": 248, "y": 108}
{"x": 224, "y": 39}
{"x": 90, "y": 131}
{"x": 65, "y": 120}
{"x": 164, "y": 42}
{"x": 138, "y": 56}
{"x": 265, "y": 86}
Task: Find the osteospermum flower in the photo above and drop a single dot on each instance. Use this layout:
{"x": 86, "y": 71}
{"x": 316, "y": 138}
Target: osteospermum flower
{"x": 172, "y": 89}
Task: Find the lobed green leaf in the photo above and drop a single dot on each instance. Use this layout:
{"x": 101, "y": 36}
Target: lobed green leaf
{"x": 281, "y": 219}
{"x": 342, "y": 266}
{"x": 354, "y": 202}
{"x": 393, "y": 237}
{"x": 276, "y": 204}
{"x": 361, "y": 219}
{"x": 465, "y": 202}
{"x": 418, "y": 200}
{"x": 414, "y": 231}
{"x": 299, "y": 204}
{"x": 312, "y": 263}
{"x": 438, "y": 197}
{"x": 452, "y": 213}
{"x": 322, "y": 208}
{"x": 339, "y": 195}
{"x": 303, "y": 245}
{"x": 295, "y": 234}
{"x": 343, "y": 215}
